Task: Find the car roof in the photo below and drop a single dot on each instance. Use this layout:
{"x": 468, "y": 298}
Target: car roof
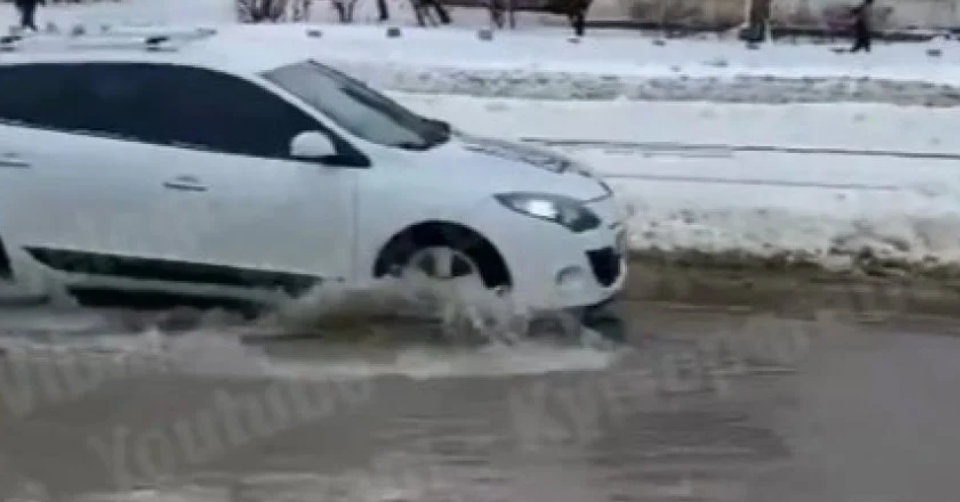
{"x": 241, "y": 49}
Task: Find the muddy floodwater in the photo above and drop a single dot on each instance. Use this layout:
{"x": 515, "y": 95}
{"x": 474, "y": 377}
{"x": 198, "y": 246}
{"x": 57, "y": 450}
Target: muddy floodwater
{"x": 702, "y": 404}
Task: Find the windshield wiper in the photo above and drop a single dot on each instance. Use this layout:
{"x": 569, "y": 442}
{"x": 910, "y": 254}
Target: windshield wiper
{"x": 439, "y": 127}
{"x": 435, "y": 133}
{"x": 438, "y": 132}
{"x": 439, "y": 123}
{"x": 413, "y": 145}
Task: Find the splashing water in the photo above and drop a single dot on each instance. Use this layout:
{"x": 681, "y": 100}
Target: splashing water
{"x": 459, "y": 311}
{"x": 367, "y": 332}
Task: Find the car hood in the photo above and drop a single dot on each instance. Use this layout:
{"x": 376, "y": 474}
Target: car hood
{"x": 513, "y": 166}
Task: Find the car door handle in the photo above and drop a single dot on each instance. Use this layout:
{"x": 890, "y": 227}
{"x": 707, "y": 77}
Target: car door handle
{"x": 13, "y": 161}
{"x": 185, "y": 183}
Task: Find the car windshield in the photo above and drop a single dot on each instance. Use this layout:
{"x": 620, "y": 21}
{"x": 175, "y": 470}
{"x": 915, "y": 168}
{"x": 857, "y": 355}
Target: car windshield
{"x": 358, "y": 108}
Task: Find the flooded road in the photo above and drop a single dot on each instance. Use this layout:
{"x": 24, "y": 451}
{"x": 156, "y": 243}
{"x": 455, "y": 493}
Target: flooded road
{"x": 701, "y": 406}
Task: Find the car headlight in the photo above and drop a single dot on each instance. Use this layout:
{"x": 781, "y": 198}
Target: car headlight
{"x": 565, "y": 211}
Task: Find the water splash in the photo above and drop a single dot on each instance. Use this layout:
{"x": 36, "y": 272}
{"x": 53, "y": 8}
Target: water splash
{"x": 385, "y": 329}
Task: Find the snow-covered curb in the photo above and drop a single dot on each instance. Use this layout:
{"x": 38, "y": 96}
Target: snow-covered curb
{"x": 532, "y": 84}
{"x": 714, "y": 212}
{"x": 748, "y": 240}
{"x": 547, "y": 66}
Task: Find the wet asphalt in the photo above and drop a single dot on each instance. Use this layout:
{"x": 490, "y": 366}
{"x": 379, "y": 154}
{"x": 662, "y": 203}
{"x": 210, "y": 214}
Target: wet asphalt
{"x": 699, "y": 406}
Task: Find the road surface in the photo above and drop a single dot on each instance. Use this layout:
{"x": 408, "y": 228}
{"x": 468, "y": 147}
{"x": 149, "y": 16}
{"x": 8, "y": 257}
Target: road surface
{"x": 702, "y": 406}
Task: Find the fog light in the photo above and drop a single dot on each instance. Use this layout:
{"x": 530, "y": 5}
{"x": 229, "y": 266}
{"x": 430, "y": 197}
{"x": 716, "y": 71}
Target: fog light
{"x": 570, "y": 278}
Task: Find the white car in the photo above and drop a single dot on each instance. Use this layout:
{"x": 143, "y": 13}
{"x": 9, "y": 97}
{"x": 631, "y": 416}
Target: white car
{"x": 205, "y": 167}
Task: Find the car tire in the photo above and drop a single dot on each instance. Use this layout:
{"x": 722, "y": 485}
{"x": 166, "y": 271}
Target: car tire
{"x": 457, "y": 239}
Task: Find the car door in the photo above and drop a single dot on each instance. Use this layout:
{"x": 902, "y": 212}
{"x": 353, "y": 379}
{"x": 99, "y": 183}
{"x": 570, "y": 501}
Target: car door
{"x": 161, "y": 175}
{"x": 71, "y": 188}
{"x": 233, "y": 208}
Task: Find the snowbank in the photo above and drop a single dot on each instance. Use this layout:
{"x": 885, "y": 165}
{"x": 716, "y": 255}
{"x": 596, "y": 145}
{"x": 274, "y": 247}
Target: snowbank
{"x": 573, "y": 86}
{"x": 840, "y": 187}
{"x": 546, "y": 65}
{"x": 537, "y": 67}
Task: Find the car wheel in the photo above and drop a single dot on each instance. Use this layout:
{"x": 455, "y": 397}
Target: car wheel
{"x": 445, "y": 269}
{"x": 450, "y": 283}
{"x": 428, "y": 241}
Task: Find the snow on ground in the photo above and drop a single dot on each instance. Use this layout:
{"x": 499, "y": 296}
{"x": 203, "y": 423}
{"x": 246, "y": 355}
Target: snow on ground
{"x": 819, "y": 183}
{"x": 544, "y": 64}
{"x": 535, "y": 66}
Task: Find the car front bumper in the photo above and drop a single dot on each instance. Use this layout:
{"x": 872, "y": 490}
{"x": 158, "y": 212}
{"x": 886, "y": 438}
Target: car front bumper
{"x": 553, "y": 268}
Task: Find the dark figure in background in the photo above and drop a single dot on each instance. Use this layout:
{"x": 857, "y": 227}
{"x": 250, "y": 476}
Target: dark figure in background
{"x": 574, "y": 10}
{"x": 383, "y": 11}
{"x": 861, "y": 26}
{"x": 578, "y": 16}
{"x": 28, "y": 13}
{"x": 421, "y": 9}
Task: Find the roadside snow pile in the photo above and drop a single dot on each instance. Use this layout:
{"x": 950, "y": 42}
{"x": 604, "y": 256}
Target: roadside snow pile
{"x": 841, "y": 212}
{"x": 547, "y": 66}
{"x": 877, "y": 244}
{"x": 532, "y": 84}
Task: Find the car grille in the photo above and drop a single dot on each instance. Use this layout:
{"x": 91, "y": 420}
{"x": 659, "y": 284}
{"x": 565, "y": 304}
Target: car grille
{"x": 606, "y": 264}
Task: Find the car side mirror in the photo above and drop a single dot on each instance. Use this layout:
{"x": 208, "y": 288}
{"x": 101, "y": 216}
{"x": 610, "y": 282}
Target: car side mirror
{"x": 312, "y": 145}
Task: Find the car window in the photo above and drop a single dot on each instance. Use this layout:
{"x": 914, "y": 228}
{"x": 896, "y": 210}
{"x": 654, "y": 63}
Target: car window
{"x": 159, "y": 103}
{"x": 42, "y": 95}
{"x": 356, "y": 107}
{"x": 194, "y": 107}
